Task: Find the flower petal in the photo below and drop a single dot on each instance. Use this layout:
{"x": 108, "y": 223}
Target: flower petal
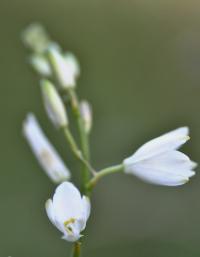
{"x": 67, "y": 202}
{"x": 156, "y": 176}
{"x": 50, "y": 211}
{"x": 86, "y": 206}
{"x": 170, "y": 141}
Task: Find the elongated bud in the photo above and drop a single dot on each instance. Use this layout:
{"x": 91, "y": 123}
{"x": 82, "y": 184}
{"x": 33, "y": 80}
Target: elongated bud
{"x": 53, "y": 104}
{"x": 40, "y": 64}
{"x": 46, "y": 154}
{"x": 36, "y": 38}
{"x": 86, "y": 113}
{"x": 63, "y": 70}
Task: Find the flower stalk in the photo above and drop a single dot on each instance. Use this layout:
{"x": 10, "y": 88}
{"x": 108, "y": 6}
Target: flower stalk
{"x": 107, "y": 171}
{"x": 74, "y": 148}
{"x": 84, "y": 138}
{"x": 76, "y": 249}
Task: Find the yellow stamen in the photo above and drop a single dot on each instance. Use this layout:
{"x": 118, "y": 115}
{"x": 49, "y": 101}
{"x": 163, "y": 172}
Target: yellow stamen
{"x": 67, "y": 222}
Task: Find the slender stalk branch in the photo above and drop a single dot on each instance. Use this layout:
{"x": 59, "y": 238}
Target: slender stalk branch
{"x": 110, "y": 170}
{"x": 78, "y": 154}
{"x": 84, "y": 140}
{"x": 76, "y": 249}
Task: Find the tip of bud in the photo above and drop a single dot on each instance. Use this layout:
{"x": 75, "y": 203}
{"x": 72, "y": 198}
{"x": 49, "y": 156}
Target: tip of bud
{"x": 86, "y": 113}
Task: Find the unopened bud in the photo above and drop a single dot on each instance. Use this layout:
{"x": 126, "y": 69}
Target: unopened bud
{"x": 62, "y": 68}
{"x": 36, "y": 38}
{"x": 73, "y": 64}
{"x": 86, "y": 113}
{"x": 53, "y": 104}
{"x": 40, "y": 64}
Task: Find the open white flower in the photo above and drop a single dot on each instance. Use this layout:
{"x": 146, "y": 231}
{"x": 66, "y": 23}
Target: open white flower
{"x": 45, "y": 153}
{"x": 159, "y": 162}
{"x": 68, "y": 211}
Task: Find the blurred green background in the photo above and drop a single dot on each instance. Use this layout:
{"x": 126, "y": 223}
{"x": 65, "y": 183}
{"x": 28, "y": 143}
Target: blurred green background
{"x": 141, "y": 71}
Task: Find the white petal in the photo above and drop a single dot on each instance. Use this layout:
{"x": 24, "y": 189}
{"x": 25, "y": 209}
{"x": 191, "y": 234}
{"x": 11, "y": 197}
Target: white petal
{"x": 170, "y": 141}
{"x": 45, "y": 153}
{"x": 173, "y": 162}
{"x": 86, "y": 206}
{"x": 155, "y": 176}
{"x": 67, "y": 202}
{"x": 50, "y": 211}
{"x": 71, "y": 238}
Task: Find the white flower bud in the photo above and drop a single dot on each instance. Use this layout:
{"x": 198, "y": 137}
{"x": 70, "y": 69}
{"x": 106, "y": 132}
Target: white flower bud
{"x": 86, "y": 113}
{"x": 53, "y": 104}
{"x": 64, "y": 70}
{"x": 68, "y": 211}
{"x": 40, "y": 64}
{"x": 36, "y": 38}
{"x": 44, "y": 151}
{"x": 72, "y": 63}
{"x": 159, "y": 162}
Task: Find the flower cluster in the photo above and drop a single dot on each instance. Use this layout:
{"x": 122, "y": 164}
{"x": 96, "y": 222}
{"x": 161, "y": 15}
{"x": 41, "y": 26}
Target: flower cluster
{"x": 157, "y": 162}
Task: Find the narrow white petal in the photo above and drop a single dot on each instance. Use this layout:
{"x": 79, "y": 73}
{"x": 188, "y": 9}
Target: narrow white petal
{"x": 170, "y": 141}
{"x": 50, "y": 211}
{"x": 155, "y": 176}
{"x": 86, "y": 206}
{"x": 45, "y": 153}
{"x": 173, "y": 162}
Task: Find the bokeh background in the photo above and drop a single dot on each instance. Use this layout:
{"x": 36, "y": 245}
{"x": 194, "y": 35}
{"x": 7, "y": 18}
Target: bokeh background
{"x": 141, "y": 71}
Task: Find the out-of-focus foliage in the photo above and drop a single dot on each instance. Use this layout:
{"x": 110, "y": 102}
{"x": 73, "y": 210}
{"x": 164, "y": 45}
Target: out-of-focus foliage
{"x": 140, "y": 63}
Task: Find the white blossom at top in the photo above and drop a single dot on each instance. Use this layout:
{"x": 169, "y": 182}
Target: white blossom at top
{"x": 159, "y": 162}
{"x": 45, "y": 153}
{"x": 36, "y": 38}
{"x": 68, "y": 211}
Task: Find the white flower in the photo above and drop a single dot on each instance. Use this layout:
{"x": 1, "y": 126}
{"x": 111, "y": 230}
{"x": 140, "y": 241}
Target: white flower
{"x": 45, "y": 153}
{"x": 159, "y": 162}
{"x": 40, "y": 64}
{"x": 53, "y": 104}
{"x": 64, "y": 67}
{"x": 68, "y": 211}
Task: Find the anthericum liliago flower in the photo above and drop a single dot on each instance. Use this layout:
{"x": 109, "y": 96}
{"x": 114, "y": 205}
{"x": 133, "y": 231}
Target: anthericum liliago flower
{"x": 45, "y": 153}
{"x": 68, "y": 211}
{"x": 159, "y": 162}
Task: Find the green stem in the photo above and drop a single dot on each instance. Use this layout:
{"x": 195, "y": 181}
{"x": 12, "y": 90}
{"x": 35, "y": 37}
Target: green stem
{"x": 76, "y": 150}
{"x": 76, "y": 249}
{"x": 102, "y": 173}
{"x": 84, "y": 140}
